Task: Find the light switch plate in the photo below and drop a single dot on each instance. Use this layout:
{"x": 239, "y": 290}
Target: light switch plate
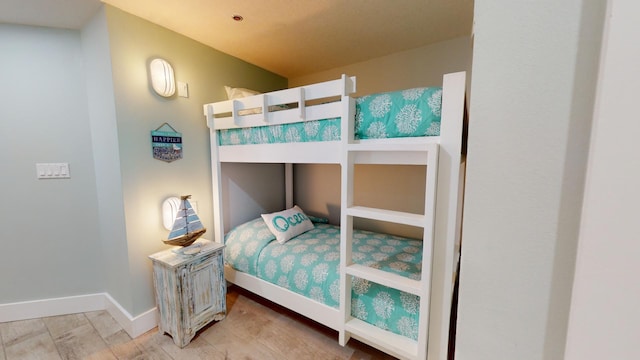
{"x": 53, "y": 171}
{"x": 183, "y": 89}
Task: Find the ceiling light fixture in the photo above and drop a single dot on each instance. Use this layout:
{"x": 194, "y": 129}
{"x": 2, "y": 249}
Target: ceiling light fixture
{"x": 237, "y": 17}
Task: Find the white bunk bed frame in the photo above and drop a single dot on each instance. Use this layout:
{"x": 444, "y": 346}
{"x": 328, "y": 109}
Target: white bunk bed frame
{"x": 441, "y": 220}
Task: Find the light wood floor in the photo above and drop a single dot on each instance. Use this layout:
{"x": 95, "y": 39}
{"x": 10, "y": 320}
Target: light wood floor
{"x": 254, "y": 329}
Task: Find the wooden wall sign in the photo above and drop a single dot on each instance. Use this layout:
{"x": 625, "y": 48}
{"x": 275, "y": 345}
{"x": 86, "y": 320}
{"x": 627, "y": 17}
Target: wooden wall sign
{"x": 166, "y": 143}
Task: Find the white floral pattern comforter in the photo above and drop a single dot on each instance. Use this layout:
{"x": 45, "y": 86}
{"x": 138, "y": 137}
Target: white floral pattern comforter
{"x": 407, "y": 113}
{"x": 308, "y": 265}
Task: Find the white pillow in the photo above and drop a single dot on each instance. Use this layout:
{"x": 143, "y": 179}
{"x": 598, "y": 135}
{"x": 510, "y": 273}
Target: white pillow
{"x": 288, "y": 223}
{"x": 237, "y": 93}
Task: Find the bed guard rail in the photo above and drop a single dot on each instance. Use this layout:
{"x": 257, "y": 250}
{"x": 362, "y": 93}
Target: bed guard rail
{"x": 303, "y": 103}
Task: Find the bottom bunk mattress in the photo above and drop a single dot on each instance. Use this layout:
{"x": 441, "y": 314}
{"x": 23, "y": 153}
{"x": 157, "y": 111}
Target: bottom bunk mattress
{"x": 309, "y": 265}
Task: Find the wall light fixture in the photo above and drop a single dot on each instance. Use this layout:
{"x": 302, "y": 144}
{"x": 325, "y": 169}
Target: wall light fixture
{"x": 162, "y": 79}
{"x": 170, "y": 209}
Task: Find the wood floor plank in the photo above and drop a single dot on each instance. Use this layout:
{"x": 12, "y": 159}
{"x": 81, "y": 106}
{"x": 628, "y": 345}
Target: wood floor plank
{"x": 27, "y": 339}
{"x": 239, "y": 348}
{"x": 103, "y": 323}
{"x": 17, "y": 331}
{"x": 281, "y": 333}
{"x": 119, "y": 342}
{"x": 320, "y": 339}
{"x": 59, "y": 325}
{"x": 83, "y": 342}
{"x": 198, "y": 348}
{"x": 123, "y": 347}
{"x": 239, "y": 333}
{"x": 34, "y": 347}
{"x": 254, "y": 329}
{"x": 150, "y": 347}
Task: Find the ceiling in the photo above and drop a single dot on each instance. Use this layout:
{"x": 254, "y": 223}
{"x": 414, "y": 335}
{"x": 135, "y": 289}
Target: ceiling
{"x": 289, "y": 37}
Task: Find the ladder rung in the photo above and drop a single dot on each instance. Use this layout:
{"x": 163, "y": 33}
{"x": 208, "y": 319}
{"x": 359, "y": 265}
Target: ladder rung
{"x": 394, "y": 344}
{"x": 387, "y": 146}
{"x": 394, "y": 154}
{"x": 397, "y": 217}
{"x": 386, "y": 278}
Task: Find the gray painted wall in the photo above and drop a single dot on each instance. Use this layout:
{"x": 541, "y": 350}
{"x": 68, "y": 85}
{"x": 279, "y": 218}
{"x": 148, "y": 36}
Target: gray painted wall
{"x": 84, "y": 97}
{"x": 106, "y": 154}
{"x": 535, "y": 65}
{"x": 146, "y": 182}
{"x": 50, "y": 246}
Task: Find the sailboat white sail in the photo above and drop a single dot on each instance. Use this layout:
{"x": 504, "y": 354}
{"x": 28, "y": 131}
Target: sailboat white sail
{"x": 187, "y": 226}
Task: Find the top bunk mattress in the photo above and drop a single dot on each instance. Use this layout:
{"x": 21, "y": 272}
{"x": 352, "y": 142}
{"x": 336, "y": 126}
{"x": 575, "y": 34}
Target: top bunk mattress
{"x": 407, "y": 113}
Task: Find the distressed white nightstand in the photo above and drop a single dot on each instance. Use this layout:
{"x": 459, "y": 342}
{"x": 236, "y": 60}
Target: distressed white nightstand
{"x": 190, "y": 290}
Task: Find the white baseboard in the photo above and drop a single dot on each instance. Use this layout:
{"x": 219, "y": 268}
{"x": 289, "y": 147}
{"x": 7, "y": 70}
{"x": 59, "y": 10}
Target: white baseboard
{"x": 134, "y": 326}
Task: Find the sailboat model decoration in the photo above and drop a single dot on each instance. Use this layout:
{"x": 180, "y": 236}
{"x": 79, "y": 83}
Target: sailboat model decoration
{"x": 187, "y": 227}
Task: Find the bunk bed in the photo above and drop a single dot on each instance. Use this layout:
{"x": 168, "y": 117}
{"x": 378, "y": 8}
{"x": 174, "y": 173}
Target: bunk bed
{"x": 254, "y": 117}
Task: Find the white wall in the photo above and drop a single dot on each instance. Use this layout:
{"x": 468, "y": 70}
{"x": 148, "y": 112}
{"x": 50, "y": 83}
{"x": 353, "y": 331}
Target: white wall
{"x": 533, "y": 86}
{"x": 49, "y": 228}
{"x": 605, "y": 318}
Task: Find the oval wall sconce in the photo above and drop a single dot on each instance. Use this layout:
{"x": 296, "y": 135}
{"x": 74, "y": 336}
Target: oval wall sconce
{"x": 170, "y": 207}
{"x": 162, "y": 79}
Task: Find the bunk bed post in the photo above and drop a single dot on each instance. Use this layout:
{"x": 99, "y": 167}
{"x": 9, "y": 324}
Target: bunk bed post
{"x": 428, "y": 239}
{"x": 448, "y": 213}
{"x": 216, "y": 179}
{"x": 346, "y": 200}
{"x": 288, "y": 184}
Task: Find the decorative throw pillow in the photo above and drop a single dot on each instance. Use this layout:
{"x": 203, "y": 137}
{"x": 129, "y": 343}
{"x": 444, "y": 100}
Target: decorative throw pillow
{"x": 287, "y": 224}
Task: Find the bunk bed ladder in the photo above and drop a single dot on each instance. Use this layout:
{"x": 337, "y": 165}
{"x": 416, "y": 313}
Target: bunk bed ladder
{"x": 385, "y": 153}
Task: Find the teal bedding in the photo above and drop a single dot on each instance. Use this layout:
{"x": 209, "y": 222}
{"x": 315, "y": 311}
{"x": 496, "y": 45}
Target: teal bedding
{"x": 309, "y": 265}
{"x": 408, "y": 113}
